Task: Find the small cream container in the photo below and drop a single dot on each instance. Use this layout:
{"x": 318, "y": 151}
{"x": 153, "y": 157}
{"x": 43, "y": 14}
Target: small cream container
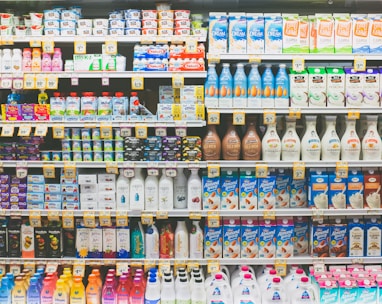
{"x": 81, "y": 23}
{"x": 116, "y": 31}
{"x": 20, "y": 30}
{"x": 166, "y": 23}
{"x": 132, "y": 31}
{"x": 182, "y": 23}
{"x": 6, "y": 19}
{"x": 116, "y": 23}
{"x": 182, "y": 31}
{"x": 51, "y": 14}
{"x": 69, "y": 15}
{"x": 100, "y": 23}
{"x": 68, "y": 24}
{"x": 133, "y": 23}
{"x": 84, "y": 31}
{"x": 149, "y": 23}
{"x": 115, "y": 15}
{"x": 149, "y": 14}
{"x": 51, "y": 32}
{"x": 165, "y": 31}
{"x": 6, "y": 30}
{"x": 52, "y": 23}
{"x": 68, "y": 32}
{"x": 36, "y": 18}
{"x": 149, "y": 32}
{"x": 99, "y": 31}
{"x": 166, "y": 14}
{"x": 36, "y": 30}
{"x": 182, "y": 14}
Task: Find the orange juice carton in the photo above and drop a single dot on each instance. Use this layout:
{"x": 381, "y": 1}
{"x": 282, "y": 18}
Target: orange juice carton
{"x": 298, "y": 88}
{"x": 211, "y": 192}
{"x": 255, "y": 33}
{"x": 361, "y": 37}
{"x": 282, "y": 191}
{"x": 213, "y": 246}
{"x": 325, "y": 33}
{"x": 249, "y": 237}
{"x": 338, "y": 246}
{"x": 267, "y": 238}
{"x": 284, "y": 238}
{"x": 248, "y": 190}
{"x": 266, "y": 192}
{"x": 218, "y": 33}
{"x": 291, "y": 33}
{"x": 353, "y": 88}
{"x": 301, "y": 236}
{"x": 375, "y": 34}
{"x": 335, "y": 89}
{"x": 343, "y": 35}
{"x": 317, "y": 86}
{"x": 337, "y": 191}
{"x": 231, "y": 238}
{"x": 27, "y": 241}
{"x": 319, "y": 239}
{"x": 355, "y": 190}
{"x": 356, "y": 230}
{"x": 237, "y": 33}
{"x": 373, "y": 237}
{"x": 370, "y": 85}
{"x": 318, "y": 190}
{"x": 229, "y": 185}
{"x": 312, "y": 34}
{"x": 273, "y": 28}
{"x": 304, "y": 34}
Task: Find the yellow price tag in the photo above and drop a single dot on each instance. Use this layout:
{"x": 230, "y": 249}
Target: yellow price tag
{"x": 79, "y": 47}
{"x": 40, "y": 81}
{"x": 105, "y": 218}
{"x": 106, "y": 132}
{"x": 111, "y": 47}
{"x": 281, "y": 268}
{"x": 136, "y": 265}
{"x": 41, "y": 130}
{"x": 146, "y": 40}
{"x": 181, "y": 131}
{"x": 192, "y": 265}
{"x": 298, "y": 170}
{"x": 6, "y": 81}
{"x": 35, "y": 218}
{"x": 49, "y": 171}
{"x": 79, "y": 269}
{"x": 195, "y": 215}
{"x": 52, "y": 82}
{"x": 162, "y": 215}
{"x": 269, "y": 117}
{"x": 137, "y": 83}
{"x": 213, "y": 266}
{"x": 213, "y": 170}
{"x": 21, "y": 169}
{"x": 53, "y": 215}
{"x": 353, "y": 114}
{"x": 239, "y": 118}
{"x": 147, "y": 219}
{"x": 121, "y": 218}
{"x": 24, "y": 130}
{"x": 177, "y": 81}
{"x": 253, "y": 58}
{"x": 15, "y": 269}
{"x": 298, "y": 64}
{"x": 359, "y": 63}
{"x": 48, "y": 46}
{"x": 213, "y": 58}
{"x": 35, "y": 43}
{"x": 7, "y": 40}
{"x": 261, "y": 171}
{"x": 141, "y": 131}
{"x": 70, "y": 170}
{"x": 89, "y": 219}
{"x": 17, "y": 83}
{"x": 121, "y": 268}
{"x": 342, "y": 169}
{"x": 295, "y": 113}
{"x": 318, "y": 215}
{"x": 29, "y": 81}
{"x": 269, "y": 214}
{"x": 213, "y": 118}
{"x": 7, "y": 131}
{"x": 164, "y": 267}
{"x": 213, "y": 219}
{"x": 148, "y": 264}
{"x": 58, "y": 132}
{"x": 31, "y": 266}
{"x": 112, "y": 167}
{"x": 191, "y": 45}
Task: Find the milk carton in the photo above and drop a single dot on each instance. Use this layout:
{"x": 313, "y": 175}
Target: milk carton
{"x": 318, "y": 189}
{"x": 361, "y": 42}
{"x": 328, "y": 291}
{"x": 338, "y": 246}
{"x": 291, "y": 34}
{"x": 375, "y": 34}
{"x": 317, "y": 86}
{"x": 335, "y": 89}
{"x": 248, "y": 190}
{"x": 371, "y": 89}
{"x": 284, "y": 238}
{"x": 267, "y": 238}
{"x": 237, "y": 33}
{"x": 213, "y": 246}
{"x": 273, "y": 33}
{"x": 301, "y": 236}
{"x": 373, "y": 237}
{"x": 229, "y": 185}
{"x": 211, "y": 192}
{"x": 325, "y": 33}
{"x": 348, "y": 291}
{"x": 282, "y": 191}
{"x": 255, "y": 33}
{"x": 298, "y": 87}
{"x": 218, "y": 33}
{"x": 356, "y": 238}
{"x": 343, "y": 38}
{"x": 231, "y": 238}
{"x": 337, "y": 190}
{"x": 312, "y": 34}
{"x": 353, "y": 85}
{"x": 266, "y": 192}
{"x": 249, "y": 238}
{"x": 367, "y": 291}
{"x": 319, "y": 239}
{"x": 372, "y": 185}
{"x": 304, "y": 34}
{"x": 354, "y": 197}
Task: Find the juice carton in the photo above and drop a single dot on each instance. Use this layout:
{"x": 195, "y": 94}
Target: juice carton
{"x": 282, "y": 191}
{"x": 123, "y": 242}
{"x": 325, "y": 33}
{"x": 95, "y": 243}
{"x": 354, "y": 197}
{"x": 284, "y": 238}
{"x": 267, "y": 238}
{"x": 312, "y": 34}
{"x": 343, "y": 35}
{"x": 319, "y": 239}
{"x": 337, "y": 190}
{"x": 298, "y": 193}
{"x": 375, "y": 33}
{"x": 317, "y": 86}
{"x": 27, "y": 240}
{"x": 291, "y": 33}
{"x": 356, "y": 240}
{"x": 318, "y": 189}
{"x": 237, "y": 33}
{"x": 335, "y": 87}
{"x": 218, "y": 33}
{"x": 229, "y": 185}
{"x": 328, "y": 291}
{"x": 353, "y": 85}
{"x": 109, "y": 242}
{"x": 373, "y": 237}
{"x": 273, "y": 28}
{"x": 231, "y": 238}
{"x": 301, "y": 236}
{"x": 41, "y": 242}
{"x": 248, "y": 190}
{"x": 338, "y": 245}
{"x": 266, "y": 192}
{"x": 304, "y": 34}
{"x": 367, "y": 291}
{"x": 54, "y": 240}
{"x": 82, "y": 241}
{"x": 370, "y": 85}
{"x": 372, "y": 185}
{"x": 211, "y": 192}
{"x": 249, "y": 238}
{"x": 298, "y": 88}
{"x": 213, "y": 246}
{"x": 361, "y": 41}
{"x": 348, "y": 291}
{"x": 255, "y": 33}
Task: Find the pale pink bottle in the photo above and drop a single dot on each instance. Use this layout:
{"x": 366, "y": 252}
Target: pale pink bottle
{"x": 57, "y": 63}
{"x": 46, "y": 62}
{"x": 27, "y": 60}
{"x": 108, "y": 294}
{"x": 123, "y": 291}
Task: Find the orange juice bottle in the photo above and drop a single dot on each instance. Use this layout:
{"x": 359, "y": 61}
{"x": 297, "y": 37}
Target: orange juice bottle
{"x": 93, "y": 292}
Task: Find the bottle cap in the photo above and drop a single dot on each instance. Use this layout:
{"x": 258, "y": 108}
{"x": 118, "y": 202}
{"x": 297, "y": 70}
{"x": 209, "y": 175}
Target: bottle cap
{"x": 305, "y": 279}
{"x": 276, "y": 280}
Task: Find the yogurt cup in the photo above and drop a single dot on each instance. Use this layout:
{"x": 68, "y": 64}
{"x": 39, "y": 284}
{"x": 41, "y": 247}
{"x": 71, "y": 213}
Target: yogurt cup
{"x": 52, "y": 14}
{"x": 116, "y": 23}
{"x": 6, "y": 19}
{"x": 149, "y": 32}
{"x": 182, "y": 31}
{"x": 165, "y": 32}
{"x": 20, "y": 30}
{"x": 182, "y": 14}
{"x": 84, "y": 31}
{"x": 68, "y": 24}
{"x": 132, "y": 14}
{"x": 99, "y": 31}
{"x": 149, "y": 23}
{"x": 36, "y": 30}
{"x": 115, "y": 15}
{"x": 6, "y": 30}
{"x": 133, "y": 23}
{"x": 69, "y": 15}
{"x": 36, "y": 18}
{"x": 84, "y": 23}
{"x": 132, "y": 31}
{"x": 68, "y": 32}
{"x": 166, "y": 14}
{"x": 51, "y": 32}
{"x": 100, "y": 23}
{"x": 182, "y": 23}
{"x": 116, "y": 31}
{"x": 166, "y": 23}
{"x": 52, "y": 23}
{"x": 149, "y": 14}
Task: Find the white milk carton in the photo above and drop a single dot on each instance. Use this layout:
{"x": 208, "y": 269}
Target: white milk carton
{"x": 335, "y": 87}
{"x": 298, "y": 88}
{"x": 304, "y": 34}
{"x": 371, "y": 89}
{"x": 375, "y": 33}
{"x": 218, "y": 33}
{"x": 353, "y": 85}
{"x": 255, "y": 33}
{"x": 273, "y": 33}
{"x": 343, "y": 37}
{"x": 317, "y": 86}
{"x": 237, "y": 33}
{"x": 325, "y": 33}
{"x": 361, "y": 42}
{"x": 291, "y": 33}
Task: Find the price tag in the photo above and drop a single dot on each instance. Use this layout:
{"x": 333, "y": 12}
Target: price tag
{"x": 35, "y": 218}
{"x": 105, "y": 81}
{"x": 213, "y": 219}
{"x": 213, "y": 58}
{"x": 48, "y": 46}
{"x": 269, "y": 117}
{"x": 254, "y": 58}
{"x": 269, "y": 214}
{"x": 106, "y": 132}
{"x": 177, "y": 81}
{"x": 137, "y": 83}
{"x": 49, "y": 171}
{"x": 298, "y": 170}
{"x": 342, "y": 169}
{"x": 318, "y": 215}
{"x": 51, "y": 267}
{"x": 79, "y": 47}
{"x": 192, "y": 265}
{"x": 213, "y": 170}
{"x": 89, "y": 219}
{"x": 111, "y": 47}
{"x": 79, "y": 269}
{"x": 41, "y": 81}
{"x": 15, "y": 269}
{"x": 152, "y": 171}
{"x": 281, "y": 267}
{"x": 353, "y": 114}
{"x": 213, "y": 118}
{"x": 53, "y": 216}
{"x": 21, "y": 169}
{"x": 141, "y": 131}
{"x": 126, "y": 132}
{"x": 74, "y": 81}
{"x": 359, "y": 63}
{"x": 29, "y": 81}
{"x": 261, "y": 171}
{"x": 195, "y": 215}
{"x": 171, "y": 170}
{"x": 129, "y": 171}
{"x": 191, "y": 45}
{"x": 41, "y": 130}
{"x": 161, "y": 131}
{"x": 213, "y": 266}
{"x": 181, "y": 131}
{"x": 7, "y": 40}
{"x": 239, "y": 118}
{"x": 18, "y": 83}
{"x": 105, "y": 218}
{"x": 112, "y": 167}
{"x": 162, "y": 215}
{"x": 147, "y": 218}
{"x": 70, "y": 170}
{"x": 121, "y": 268}
{"x": 164, "y": 267}
{"x": 295, "y": 113}
{"x": 146, "y": 40}
{"x": 6, "y": 81}
{"x": 148, "y": 264}
{"x": 24, "y": 130}
{"x": 319, "y": 267}
{"x": 121, "y": 218}
{"x": 34, "y": 43}
{"x": 298, "y": 64}
{"x": 52, "y": 82}
{"x": 58, "y": 132}
{"x": 176, "y": 39}
{"x": 7, "y": 131}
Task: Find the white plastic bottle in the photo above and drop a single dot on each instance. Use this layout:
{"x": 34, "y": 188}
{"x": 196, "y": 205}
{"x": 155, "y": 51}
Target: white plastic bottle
{"x": 238, "y": 275}
{"x": 152, "y": 293}
{"x": 294, "y": 280}
{"x": 219, "y": 291}
{"x": 123, "y": 192}
{"x": 181, "y": 274}
{"x": 137, "y": 191}
{"x": 166, "y": 192}
{"x": 310, "y": 142}
{"x": 304, "y": 293}
{"x": 151, "y": 193}
{"x": 6, "y": 62}
{"x": 180, "y": 190}
{"x": 17, "y": 60}
{"x": 194, "y": 191}
{"x": 266, "y": 281}
{"x": 196, "y": 241}
{"x": 152, "y": 242}
{"x": 275, "y": 294}
{"x": 167, "y": 295}
{"x": 181, "y": 243}
{"x": 330, "y": 142}
{"x": 371, "y": 143}
{"x": 271, "y": 144}
{"x": 183, "y": 293}
{"x": 246, "y": 291}
{"x": 290, "y": 143}
{"x": 350, "y": 142}
{"x": 198, "y": 292}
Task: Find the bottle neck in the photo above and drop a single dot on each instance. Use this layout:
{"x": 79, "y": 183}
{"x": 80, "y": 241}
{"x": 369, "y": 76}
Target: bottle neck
{"x": 350, "y": 124}
{"x": 291, "y": 125}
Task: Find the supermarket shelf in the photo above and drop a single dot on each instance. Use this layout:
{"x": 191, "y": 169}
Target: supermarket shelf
{"x": 122, "y": 74}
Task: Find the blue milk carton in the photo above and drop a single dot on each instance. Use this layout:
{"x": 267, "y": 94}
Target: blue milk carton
{"x": 298, "y": 193}
{"x": 356, "y": 238}
{"x": 301, "y": 236}
{"x": 248, "y": 190}
{"x": 218, "y": 33}
{"x": 282, "y": 191}
{"x": 267, "y": 238}
{"x": 237, "y": 33}
{"x": 318, "y": 190}
{"x": 367, "y": 291}
{"x": 211, "y": 192}
{"x": 273, "y": 33}
{"x": 255, "y": 33}
{"x": 337, "y": 190}
{"x": 284, "y": 238}
{"x": 266, "y": 192}
{"x": 229, "y": 185}
{"x": 249, "y": 238}
{"x": 231, "y": 238}
{"x": 213, "y": 246}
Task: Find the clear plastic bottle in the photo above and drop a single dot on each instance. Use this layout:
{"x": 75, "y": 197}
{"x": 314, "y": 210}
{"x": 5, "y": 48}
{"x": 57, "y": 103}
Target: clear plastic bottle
{"x": 330, "y": 142}
{"x": 225, "y": 86}
{"x": 33, "y": 292}
{"x": 194, "y": 191}
{"x": 211, "y": 87}
{"x": 152, "y": 293}
{"x": 371, "y": 143}
{"x": 93, "y": 291}
{"x": 310, "y": 142}
{"x": 180, "y": 189}
{"x": 152, "y": 242}
{"x": 275, "y": 294}
{"x": 246, "y": 291}
{"x": 77, "y": 292}
{"x": 196, "y": 241}
{"x": 290, "y": 143}
{"x": 6, "y": 61}
{"x": 123, "y": 290}
{"x": 268, "y": 87}
{"x": 47, "y": 291}
{"x": 240, "y": 87}
{"x": 304, "y": 293}
{"x": 168, "y": 291}
{"x": 254, "y": 87}
{"x": 183, "y": 293}
{"x": 211, "y": 144}
{"x": 271, "y": 144}
{"x": 350, "y": 142}
{"x": 282, "y": 87}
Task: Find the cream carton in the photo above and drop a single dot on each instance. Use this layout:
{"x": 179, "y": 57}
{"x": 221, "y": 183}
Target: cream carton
{"x": 319, "y": 239}
{"x": 304, "y": 34}
{"x": 361, "y": 38}
{"x": 354, "y": 195}
{"x": 317, "y": 86}
{"x": 298, "y": 88}
{"x": 312, "y": 34}
{"x": 318, "y": 190}
{"x": 338, "y": 245}
{"x": 282, "y": 191}
{"x": 237, "y": 33}
{"x": 335, "y": 89}
{"x": 337, "y": 190}
{"x": 267, "y": 238}
{"x": 211, "y": 192}
{"x": 353, "y": 88}
{"x": 248, "y": 190}
{"x": 273, "y": 33}
{"x": 291, "y": 33}
{"x": 249, "y": 237}
{"x": 255, "y": 33}
{"x": 348, "y": 291}
{"x": 229, "y": 185}
{"x": 231, "y": 238}
{"x": 367, "y": 291}
{"x": 218, "y": 33}
{"x": 301, "y": 236}
{"x": 328, "y": 291}
{"x": 356, "y": 230}
{"x": 375, "y": 34}
{"x": 372, "y": 186}
{"x": 213, "y": 246}
{"x": 325, "y": 33}
{"x": 266, "y": 192}
{"x": 373, "y": 237}
{"x": 343, "y": 35}
{"x": 284, "y": 238}
{"x": 371, "y": 87}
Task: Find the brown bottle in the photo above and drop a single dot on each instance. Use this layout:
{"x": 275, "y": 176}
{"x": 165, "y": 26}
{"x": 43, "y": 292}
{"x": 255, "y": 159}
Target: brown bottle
{"x": 231, "y": 144}
{"x": 251, "y": 143}
{"x": 211, "y": 144}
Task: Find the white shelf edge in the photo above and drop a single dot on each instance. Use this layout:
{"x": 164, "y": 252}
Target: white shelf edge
{"x": 323, "y": 110}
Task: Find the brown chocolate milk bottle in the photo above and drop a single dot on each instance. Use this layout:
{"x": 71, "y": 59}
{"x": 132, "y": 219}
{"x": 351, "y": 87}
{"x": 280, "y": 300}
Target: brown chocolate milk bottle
{"x": 211, "y": 144}
{"x": 231, "y": 144}
{"x": 251, "y": 143}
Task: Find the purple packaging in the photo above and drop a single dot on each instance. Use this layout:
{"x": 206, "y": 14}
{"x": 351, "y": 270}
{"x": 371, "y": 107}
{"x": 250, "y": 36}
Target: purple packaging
{"x": 4, "y": 188}
{"x": 171, "y": 155}
{"x": 282, "y": 191}
{"x": 171, "y": 142}
{"x": 8, "y": 147}
{"x": 27, "y": 112}
{"x": 8, "y": 157}
{"x": 12, "y": 112}
{"x": 4, "y": 178}
{"x": 33, "y": 157}
{"x": 19, "y": 188}
{"x": 18, "y": 201}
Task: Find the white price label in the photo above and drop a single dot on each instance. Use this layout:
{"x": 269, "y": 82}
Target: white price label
{"x": 121, "y": 268}
{"x": 58, "y": 132}
{"x": 21, "y": 169}
{"x": 161, "y": 131}
{"x": 35, "y": 218}
{"x": 79, "y": 269}
{"x": 48, "y": 46}
{"x": 111, "y": 47}
{"x": 52, "y": 82}
{"x": 41, "y": 130}
{"x": 105, "y": 219}
{"x": 141, "y": 131}
{"x": 24, "y": 130}
{"x": 126, "y": 132}
{"x": 74, "y": 81}
{"x": 67, "y": 219}
{"x": 17, "y": 83}
{"x": 6, "y": 81}
{"x": 171, "y": 172}
{"x": 213, "y": 118}
{"x": 41, "y": 81}
{"x": 105, "y": 81}
{"x": 298, "y": 64}
{"x": 121, "y": 218}
{"x": 29, "y": 81}
{"x": 359, "y": 63}
{"x": 7, "y": 131}
{"x": 79, "y": 47}
{"x": 49, "y": 171}
{"x": 177, "y": 81}
{"x": 269, "y": 117}
{"x": 181, "y": 131}
{"x": 191, "y": 45}
{"x": 128, "y": 172}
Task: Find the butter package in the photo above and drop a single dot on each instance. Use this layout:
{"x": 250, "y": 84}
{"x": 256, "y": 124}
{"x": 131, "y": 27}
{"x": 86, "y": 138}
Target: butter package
{"x": 319, "y": 239}
{"x": 248, "y": 190}
{"x": 343, "y": 37}
{"x": 282, "y": 190}
{"x": 249, "y": 237}
{"x": 356, "y": 230}
{"x": 317, "y": 86}
{"x": 231, "y": 238}
{"x": 354, "y": 197}
{"x": 266, "y": 192}
{"x": 213, "y": 246}
{"x": 375, "y": 37}
{"x": 335, "y": 87}
{"x": 353, "y": 88}
{"x": 273, "y": 25}
{"x": 255, "y": 33}
{"x": 298, "y": 88}
{"x": 267, "y": 238}
{"x": 361, "y": 25}
{"x": 318, "y": 190}
{"x": 301, "y": 236}
{"x": 284, "y": 238}
{"x": 338, "y": 245}
{"x": 237, "y": 33}
{"x": 291, "y": 34}
{"x": 371, "y": 89}
{"x": 325, "y": 33}
{"x": 218, "y": 33}
{"x": 229, "y": 185}
{"x": 211, "y": 192}
{"x": 337, "y": 190}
